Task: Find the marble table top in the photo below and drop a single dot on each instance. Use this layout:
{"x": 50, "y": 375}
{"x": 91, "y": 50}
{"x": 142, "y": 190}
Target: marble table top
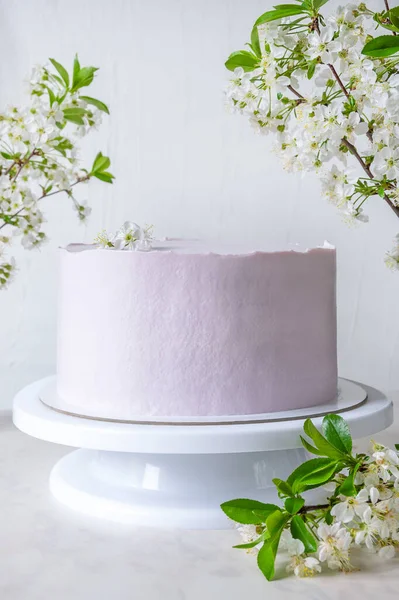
{"x": 49, "y": 552}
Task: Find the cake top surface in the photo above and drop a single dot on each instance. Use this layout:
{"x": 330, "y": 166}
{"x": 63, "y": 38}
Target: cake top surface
{"x": 194, "y": 246}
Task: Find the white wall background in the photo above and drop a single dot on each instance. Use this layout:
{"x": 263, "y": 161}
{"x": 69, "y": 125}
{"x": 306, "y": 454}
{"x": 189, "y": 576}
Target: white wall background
{"x": 182, "y": 163}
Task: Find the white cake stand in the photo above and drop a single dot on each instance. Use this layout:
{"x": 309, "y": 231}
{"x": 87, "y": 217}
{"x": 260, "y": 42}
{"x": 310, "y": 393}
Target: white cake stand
{"x": 178, "y": 475}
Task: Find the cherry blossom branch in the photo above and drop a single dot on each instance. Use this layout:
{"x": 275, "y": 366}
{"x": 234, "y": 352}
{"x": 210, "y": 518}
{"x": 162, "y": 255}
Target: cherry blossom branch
{"x": 10, "y": 168}
{"x": 311, "y": 507}
{"x": 16, "y": 214}
{"x": 367, "y": 170}
{"x": 294, "y": 91}
{"x": 355, "y": 153}
{"x": 338, "y": 79}
{"x": 23, "y": 163}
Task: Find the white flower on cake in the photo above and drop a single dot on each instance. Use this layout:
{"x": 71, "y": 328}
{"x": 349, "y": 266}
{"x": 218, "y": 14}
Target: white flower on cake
{"x": 129, "y": 237}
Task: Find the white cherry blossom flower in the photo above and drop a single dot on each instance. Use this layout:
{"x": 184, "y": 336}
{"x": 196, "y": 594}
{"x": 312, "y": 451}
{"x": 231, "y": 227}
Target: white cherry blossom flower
{"x": 346, "y": 510}
{"x": 369, "y": 531}
{"x": 386, "y": 162}
{"x": 127, "y": 236}
{"x": 334, "y": 545}
{"x": 319, "y": 44}
{"x": 352, "y": 126}
{"x": 387, "y": 462}
{"x": 387, "y": 552}
{"x": 304, "y": 566}
{"x": 354, "y": 214}
{"x": 104, "y": 240}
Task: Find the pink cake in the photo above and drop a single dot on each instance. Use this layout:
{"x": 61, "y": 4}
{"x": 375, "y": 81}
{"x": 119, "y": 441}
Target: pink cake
{"x": 182, "y": 331}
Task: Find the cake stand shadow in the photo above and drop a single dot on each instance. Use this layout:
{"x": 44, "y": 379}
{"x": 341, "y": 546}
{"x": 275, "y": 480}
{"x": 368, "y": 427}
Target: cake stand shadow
{"x": 177, "y": 475}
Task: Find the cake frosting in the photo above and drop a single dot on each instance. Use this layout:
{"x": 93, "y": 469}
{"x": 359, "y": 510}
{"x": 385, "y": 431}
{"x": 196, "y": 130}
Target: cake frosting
{"x": 187, "y": 330}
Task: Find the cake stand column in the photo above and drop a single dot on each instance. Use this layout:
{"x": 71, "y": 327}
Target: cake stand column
{"x": 177, "y": 490}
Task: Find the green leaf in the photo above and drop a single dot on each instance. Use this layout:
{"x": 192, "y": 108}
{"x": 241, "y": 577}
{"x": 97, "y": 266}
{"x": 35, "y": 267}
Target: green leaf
{"x": 61, "y": 70}
{"x": 51, "y": 95}
{"x": 311, "y": 68}
{"x": 267, "y": 554}
{"x": 255, "y": 44}
{"x": 104, "y": 176}
{"x": 301, "y": 532}
{"x": 313, "y": 473}
{"x": 293, "y": 505}
{"x": 259, "y": 540}
{"x": 318, "y": 4}
{"x": 274, "y": 15}
{"x": 100, "y": 163}
{"x": 396, "y": 446}
{"x": 382, "y": 46}
{"x": 394, "y": 16}
{"x": 97, "y": 103}
{"x": 347, "y": 488}
{"x": 283, "y": 487}
{"x": 328, "y": 517}
{"x": 337, "y": 432}
{"x": 311, "y": 448}
{"x": 242, "y": 58}
{"x": 285, "y": 6}
{"x": 6, "y": 155}
{"x": 275, "y": 521}
{"x": 242, "y": 510}
{"x": 83, "y": 78}
{"x": 74, "y": 119}
{"x": 76, "y": 70}
{"x": 74, "y": 112}
{"x": 321, "y": 443}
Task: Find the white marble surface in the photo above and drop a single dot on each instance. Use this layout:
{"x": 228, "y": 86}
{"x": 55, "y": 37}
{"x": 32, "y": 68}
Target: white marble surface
{"x": 48, "y": 552}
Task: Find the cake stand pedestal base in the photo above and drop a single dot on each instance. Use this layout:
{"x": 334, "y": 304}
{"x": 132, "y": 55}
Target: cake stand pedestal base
{"x": 167, "y": 489}
{"x": 176, "y": 475}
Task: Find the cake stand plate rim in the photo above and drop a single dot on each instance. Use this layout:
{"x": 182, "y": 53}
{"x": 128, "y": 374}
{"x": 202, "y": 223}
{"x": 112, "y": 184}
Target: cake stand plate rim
{"x": 349, "y": 395}
{"x": 32, "y": 417}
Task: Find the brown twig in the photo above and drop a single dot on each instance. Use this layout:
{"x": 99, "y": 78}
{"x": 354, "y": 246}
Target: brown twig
{"x": 310, "y": 507}
{"x": 367, "y": 170}
{"x": 10, "y": 168}
{"x": 294, "y": 91}
{"x": 338, "y": 79}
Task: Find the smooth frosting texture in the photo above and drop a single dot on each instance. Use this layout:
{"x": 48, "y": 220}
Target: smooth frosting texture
{"x": 176, "y": 333}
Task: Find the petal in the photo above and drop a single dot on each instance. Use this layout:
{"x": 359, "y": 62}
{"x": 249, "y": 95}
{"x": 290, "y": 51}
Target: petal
{"x": 339, "y": 510}
{"x": 369, "y": 542}
{"x": 361, "y": 129}
{"x": 387, "y": 552}
{"x": 323, "y": 553}
{"x": 392, "y": 457}
{"x": 323, "y": 531}
{"x": 311, "y": 562}
{"x": 361, "y": 509}
{"x": 363, "y": 495}
{"x": 359, "y": 537}
{"x": 374, "y": 495}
